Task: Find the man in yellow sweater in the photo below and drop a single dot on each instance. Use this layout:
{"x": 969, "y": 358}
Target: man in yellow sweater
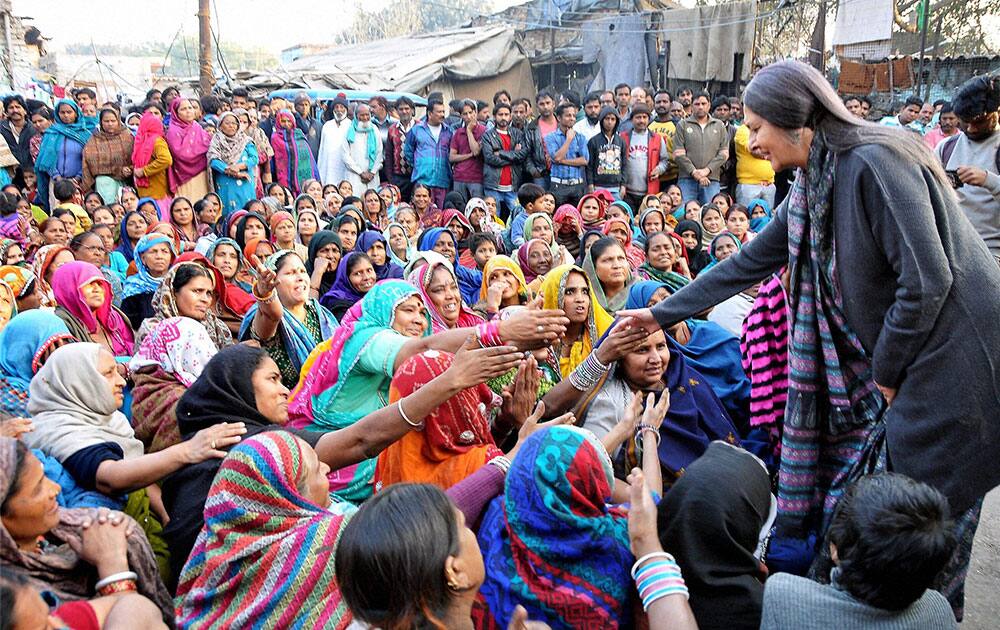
{"x": 754, "y": 175}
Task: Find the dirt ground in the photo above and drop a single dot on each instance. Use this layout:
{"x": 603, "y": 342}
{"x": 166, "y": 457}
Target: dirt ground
{"x": 982, "y": 588}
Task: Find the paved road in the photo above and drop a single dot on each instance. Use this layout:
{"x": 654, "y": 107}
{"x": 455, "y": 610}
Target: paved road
{"x": 982, "y": 588}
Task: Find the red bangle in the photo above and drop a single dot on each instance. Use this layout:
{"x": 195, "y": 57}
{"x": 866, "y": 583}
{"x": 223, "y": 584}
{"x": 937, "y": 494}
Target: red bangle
{"x": 489, "y": 334}
{"x": 120, "y": 586}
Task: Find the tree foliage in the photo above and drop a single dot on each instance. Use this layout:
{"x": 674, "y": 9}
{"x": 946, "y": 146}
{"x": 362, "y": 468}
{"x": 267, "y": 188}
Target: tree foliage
{"x": 182, "y": 58}
{"x": 963, "y": 28}
{"x": 408, "y": 18}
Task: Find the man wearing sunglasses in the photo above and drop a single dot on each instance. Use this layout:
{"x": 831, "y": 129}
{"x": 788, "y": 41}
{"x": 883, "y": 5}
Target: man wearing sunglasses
{"x": 972, "y": 158}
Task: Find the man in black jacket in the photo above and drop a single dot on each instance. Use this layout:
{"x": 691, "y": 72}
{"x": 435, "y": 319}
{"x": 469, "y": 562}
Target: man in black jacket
{"x": 17, "y": 129}
{"x": 504, "y": 150}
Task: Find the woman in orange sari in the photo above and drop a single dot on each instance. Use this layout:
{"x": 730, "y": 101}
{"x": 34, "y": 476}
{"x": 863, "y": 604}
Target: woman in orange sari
{"x": 455, "y": 440}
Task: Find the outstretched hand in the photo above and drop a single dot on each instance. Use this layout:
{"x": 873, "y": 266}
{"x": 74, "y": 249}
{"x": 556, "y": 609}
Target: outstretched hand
{"x": 641, "y": 317}
{"x": 474, "y": 364}
{"x": 267, "y": 280}
{"x": 519, "y": 621}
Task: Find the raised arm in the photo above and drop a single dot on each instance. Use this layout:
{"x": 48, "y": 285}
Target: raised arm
{"x": 367, "y": 437}
{"x": 758, "y": 259}
{"x": 125, "y": 475}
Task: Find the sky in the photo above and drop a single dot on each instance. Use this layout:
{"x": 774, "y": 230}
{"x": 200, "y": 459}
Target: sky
{"x": 274, "y": 25}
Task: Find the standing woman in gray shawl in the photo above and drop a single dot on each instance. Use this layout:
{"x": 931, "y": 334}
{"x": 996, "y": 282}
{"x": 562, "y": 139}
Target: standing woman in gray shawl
{"x": 894, "y": 298}
{"x": 233, "y": 157}
{"x": 74, "y": 401}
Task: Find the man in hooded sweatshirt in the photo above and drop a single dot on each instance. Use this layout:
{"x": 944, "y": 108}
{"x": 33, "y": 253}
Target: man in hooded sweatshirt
{"x": 608, "y": 156}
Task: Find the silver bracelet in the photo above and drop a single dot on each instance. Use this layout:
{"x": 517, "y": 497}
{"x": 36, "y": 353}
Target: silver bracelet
{"x": 642, "y": 430}
{"x": 501, "y": 462}
{"x": 116, "y": 577}
{"x": 588, "y": 373}
{"x": 415, "y": 425}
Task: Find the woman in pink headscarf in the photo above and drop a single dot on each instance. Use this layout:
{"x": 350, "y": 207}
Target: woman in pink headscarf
{"x": 151, "y": 160}
{"x": 188, "y": 142}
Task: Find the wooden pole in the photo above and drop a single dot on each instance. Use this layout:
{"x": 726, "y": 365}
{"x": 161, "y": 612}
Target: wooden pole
{"x": 206, "y": 75}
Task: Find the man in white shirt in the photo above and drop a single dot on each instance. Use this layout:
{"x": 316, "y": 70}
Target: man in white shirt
{"x": 589, "y": 126}
{"x": 330, "y": 161}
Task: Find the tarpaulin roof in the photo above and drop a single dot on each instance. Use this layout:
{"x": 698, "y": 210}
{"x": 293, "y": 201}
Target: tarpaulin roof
{"x": 411, "y": 63}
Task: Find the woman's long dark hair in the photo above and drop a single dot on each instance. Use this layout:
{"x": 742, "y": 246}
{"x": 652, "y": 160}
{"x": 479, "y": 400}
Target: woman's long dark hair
{"x": 391, "y": 557}
{"x": 794, "y": 95}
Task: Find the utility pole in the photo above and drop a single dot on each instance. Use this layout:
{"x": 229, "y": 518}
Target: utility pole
{"x": 206, "y": 75}
{"x": 818, "y": 40}
{"x": 923, "y": 16}
{"x": 8, "y": 51}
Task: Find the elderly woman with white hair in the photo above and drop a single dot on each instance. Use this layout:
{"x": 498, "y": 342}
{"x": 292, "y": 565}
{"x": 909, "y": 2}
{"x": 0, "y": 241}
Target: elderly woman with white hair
{"x": 362, "y": 151}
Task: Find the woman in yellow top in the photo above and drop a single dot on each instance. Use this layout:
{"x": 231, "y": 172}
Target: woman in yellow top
{"x": 566, "y": 287}
{"x": 150, "y": 159}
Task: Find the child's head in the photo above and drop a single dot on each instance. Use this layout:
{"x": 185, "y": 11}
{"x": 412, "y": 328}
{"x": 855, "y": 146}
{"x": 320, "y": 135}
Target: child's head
{"x": 547, "y": 204}
{"x": 64, "y": 190}
{"x": 8, "y": 203}
{"x": 30, "y": 179}
{"x": 528, "y": 195}
{"x": 483, "y": 248}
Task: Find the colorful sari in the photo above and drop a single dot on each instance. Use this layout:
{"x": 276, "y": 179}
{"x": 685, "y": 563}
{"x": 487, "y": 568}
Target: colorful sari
{"x": 40, "y": 267}
{"x": 598, "y": 320}
{"x": 469, "y": 280}
{"x": 455, "y": 440}
{"x": 58, "y": 569}
{"x": 166, "y": 363}
{"x": 347, "y": 377}
{"x": 421, "y": 278}
{"x": 552, "y": 544}
{"x": 293, "y": 159}
{"x": 265, "y": 556}
{"x": 636, "y": 257}
{"x": 188, "y": 143}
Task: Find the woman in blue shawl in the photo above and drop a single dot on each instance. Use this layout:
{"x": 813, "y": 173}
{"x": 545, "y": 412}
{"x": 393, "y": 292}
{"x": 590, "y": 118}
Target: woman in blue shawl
{"x": 384, "y": 268}
{"x": 470, "y": 281}
{"x": 137, "y": 293}
{"x": 286, "y": 322}
{"x": 61, "y": 151}
{"x": 713, "y": 254}
{"x": 24, "y": 342}
{"x": 758, "y": 206}
{"x": 128, "y": 239}
{"x": 709, "y": 348}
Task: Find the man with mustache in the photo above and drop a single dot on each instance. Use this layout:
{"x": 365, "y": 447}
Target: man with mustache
{"x": 974, "y": 156}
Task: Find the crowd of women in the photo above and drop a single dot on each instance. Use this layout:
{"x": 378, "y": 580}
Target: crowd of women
{"x": 234, "y": 403}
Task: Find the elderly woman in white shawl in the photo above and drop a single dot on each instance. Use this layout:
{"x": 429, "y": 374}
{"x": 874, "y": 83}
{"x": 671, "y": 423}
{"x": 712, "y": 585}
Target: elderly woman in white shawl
{"x": 74, "y": 401}
{"x": 362, "y": 151}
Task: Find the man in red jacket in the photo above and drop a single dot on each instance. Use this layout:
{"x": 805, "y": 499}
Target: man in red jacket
{"x": 647, "y": 158}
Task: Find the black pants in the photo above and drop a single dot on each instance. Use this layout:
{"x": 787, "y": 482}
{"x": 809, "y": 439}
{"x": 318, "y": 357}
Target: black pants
{"x": 405, "y": 187}
{"x": 635, "y": 201}
{"x": 567, "y": 194}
